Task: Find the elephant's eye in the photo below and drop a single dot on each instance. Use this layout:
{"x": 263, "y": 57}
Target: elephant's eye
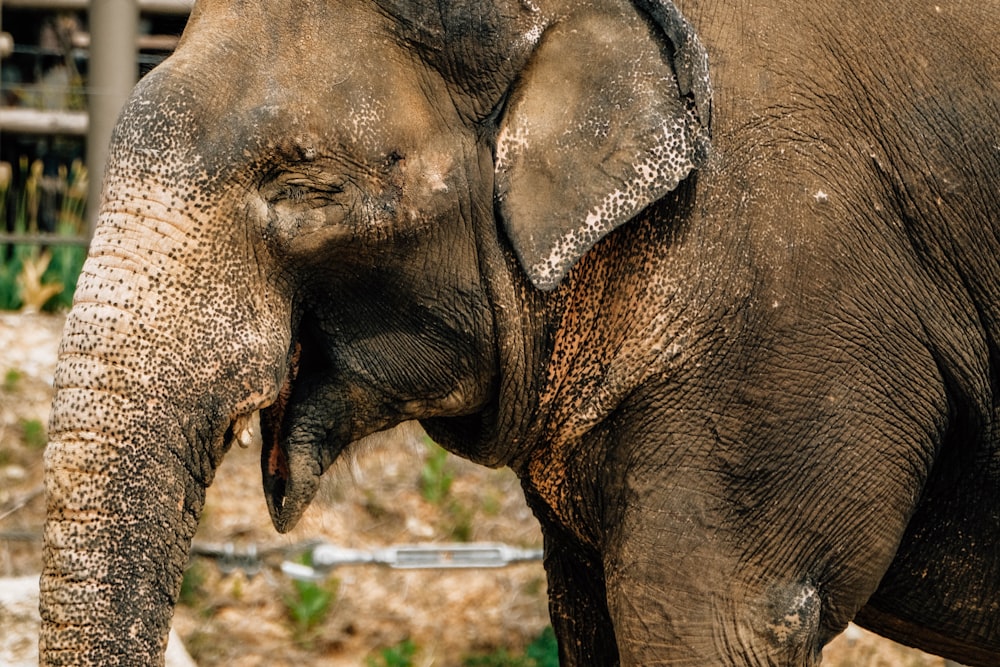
{"x": 307, "y": 210}
{"x": 301, "y": 194}
{"x": 304, "y": 190}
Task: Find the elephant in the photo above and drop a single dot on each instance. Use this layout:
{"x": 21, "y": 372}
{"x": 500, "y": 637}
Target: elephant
{"x": 719, "y": 281}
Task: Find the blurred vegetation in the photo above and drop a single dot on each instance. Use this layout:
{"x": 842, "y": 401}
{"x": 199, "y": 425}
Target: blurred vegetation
{"x": 542, "y": 652}
{"x": 400, "y": 655}
{"x": 436, "y": 476}
{"x": 33, "y": 434}
{"x": 33, "y": 277}
{"x": 308, "y": 605}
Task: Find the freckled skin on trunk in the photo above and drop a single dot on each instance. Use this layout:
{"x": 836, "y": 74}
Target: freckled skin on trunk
{"x": 126, "y": 473}
{"x": 124, "y": 573}
{"x": 121, "y": 509}
{"x": 719, "y": 283}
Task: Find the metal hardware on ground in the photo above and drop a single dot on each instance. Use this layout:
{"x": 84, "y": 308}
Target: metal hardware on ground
{"x": 324, "y": 557}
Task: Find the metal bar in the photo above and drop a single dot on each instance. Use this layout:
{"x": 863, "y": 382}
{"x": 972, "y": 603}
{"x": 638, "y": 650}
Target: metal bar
{"x": 82, "y": 41}
{"x": 113, "y": 73}
{"x": 42, "y": 239}
{"x": 37, "y": 121}
{"x": 142, "y": 58}
{"x": 166, "y": 6}
{"x": 449, "y": 556}
{"x": 150, "y": 6}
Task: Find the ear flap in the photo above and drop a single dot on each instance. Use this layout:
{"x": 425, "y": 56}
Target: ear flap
{"x": 598, "y": 127}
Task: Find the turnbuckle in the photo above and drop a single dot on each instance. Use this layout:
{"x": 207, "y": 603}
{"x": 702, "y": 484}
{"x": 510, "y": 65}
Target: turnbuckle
{"x": 326, "y": 557}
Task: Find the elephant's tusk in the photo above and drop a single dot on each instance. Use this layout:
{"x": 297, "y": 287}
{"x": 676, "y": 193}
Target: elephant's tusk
{"x": 247, "y": 428}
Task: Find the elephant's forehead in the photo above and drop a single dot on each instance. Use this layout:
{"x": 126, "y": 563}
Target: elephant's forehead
{"x": 342, "y": 83}
{"x": 190, "y": 128}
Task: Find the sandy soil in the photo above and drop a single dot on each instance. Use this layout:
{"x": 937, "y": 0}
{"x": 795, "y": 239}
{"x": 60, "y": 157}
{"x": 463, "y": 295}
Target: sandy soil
{"x": 370, "y": 500}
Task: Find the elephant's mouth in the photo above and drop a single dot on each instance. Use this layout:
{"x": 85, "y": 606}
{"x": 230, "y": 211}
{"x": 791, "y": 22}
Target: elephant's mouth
{"x": 274, "y": 464}
{"x": 301, "y": 432}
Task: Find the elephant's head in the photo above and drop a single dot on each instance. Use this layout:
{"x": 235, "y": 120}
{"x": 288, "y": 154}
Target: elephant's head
{"x": 331, "y": 214}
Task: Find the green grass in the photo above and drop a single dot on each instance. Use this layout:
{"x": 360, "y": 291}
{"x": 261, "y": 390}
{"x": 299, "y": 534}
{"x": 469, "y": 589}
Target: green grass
{"x": 544, "y": 650}
{"x": 11, "y": 264}
{"x": 64, "y": 269}
{"x": 458, "y": 521}
{"x": 309, "y": 604}
{"x": 11, "y": 380}
{"x": 193, "y": 586}
{"x": 436, "y": 478}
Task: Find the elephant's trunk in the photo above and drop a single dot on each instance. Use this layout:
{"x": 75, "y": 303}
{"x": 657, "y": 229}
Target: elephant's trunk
{"x": 161, "y": 355}
{"x": 123, "y": 502}
{"x": 181, "y": 328}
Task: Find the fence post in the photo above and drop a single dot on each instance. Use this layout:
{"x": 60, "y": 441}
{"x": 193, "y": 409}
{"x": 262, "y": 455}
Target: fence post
{"x": 114, "y": 71}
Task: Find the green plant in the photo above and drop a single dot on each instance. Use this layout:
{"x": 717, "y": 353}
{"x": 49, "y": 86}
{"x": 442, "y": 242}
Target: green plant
{"x": 236, "y": 589}
{"x": 207, "y": 646}
{"x": 11, "y": 263}
{"x": 459, "y": 519}
{"x": 74, "y": 203}
{"x": 491, "y": 504}
{"x": 542, "y": 652}
{"x": 400, "y": 655}
{"x": 192, "y": 585}
{"x": 6, "y": 174}
{"x": 67, "y": 260}
{"x": 11, "y": 379}
{"x": 436, "y": 475}
{"x": 309, "y": 603}
{"x": 33, "y": 432}
{"x": 64, "y": 269}
{"x": 34, "y": 290}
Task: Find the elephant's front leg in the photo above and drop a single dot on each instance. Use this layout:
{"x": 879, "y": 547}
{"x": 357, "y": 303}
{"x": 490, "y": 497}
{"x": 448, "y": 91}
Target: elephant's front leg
{"x": 694, "y": 577}
{"x": 578, "y": 605}
{"x": 679, "y": 595}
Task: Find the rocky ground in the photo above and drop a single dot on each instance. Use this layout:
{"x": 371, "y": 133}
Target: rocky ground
{"x": 397, "y": 489}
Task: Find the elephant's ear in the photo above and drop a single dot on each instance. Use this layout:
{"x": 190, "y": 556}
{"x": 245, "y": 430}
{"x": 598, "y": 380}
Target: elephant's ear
{"x": 608, "y": 116}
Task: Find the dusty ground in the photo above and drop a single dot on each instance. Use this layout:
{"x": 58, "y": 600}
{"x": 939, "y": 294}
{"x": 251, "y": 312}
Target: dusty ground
{"x": 375, "y": 499}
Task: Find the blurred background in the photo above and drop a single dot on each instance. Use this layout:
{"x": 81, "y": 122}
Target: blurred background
{"x": 66, "y": 67}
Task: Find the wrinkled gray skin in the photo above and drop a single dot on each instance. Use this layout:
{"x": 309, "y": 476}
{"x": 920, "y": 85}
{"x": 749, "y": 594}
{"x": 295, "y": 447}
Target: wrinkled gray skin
{"x": 762, "y": 406}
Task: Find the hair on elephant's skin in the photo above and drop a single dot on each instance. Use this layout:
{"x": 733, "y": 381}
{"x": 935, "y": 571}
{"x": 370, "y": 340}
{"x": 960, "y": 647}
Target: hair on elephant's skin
{"x": 720, "y": 282}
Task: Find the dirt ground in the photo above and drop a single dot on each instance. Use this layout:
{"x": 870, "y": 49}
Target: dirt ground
{"x": 396, "y": 489}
